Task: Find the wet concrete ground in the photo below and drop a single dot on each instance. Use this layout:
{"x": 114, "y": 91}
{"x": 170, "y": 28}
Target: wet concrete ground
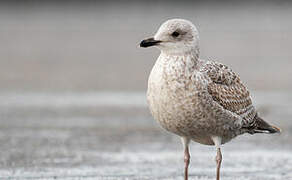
{"x": 49, "y": 137}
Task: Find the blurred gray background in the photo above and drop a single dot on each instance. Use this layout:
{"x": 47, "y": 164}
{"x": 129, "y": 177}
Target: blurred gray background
{"x": 73, "y": 82}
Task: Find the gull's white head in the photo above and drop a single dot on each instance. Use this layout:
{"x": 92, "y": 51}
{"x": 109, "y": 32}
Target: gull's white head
{"x": 175, "y": 36}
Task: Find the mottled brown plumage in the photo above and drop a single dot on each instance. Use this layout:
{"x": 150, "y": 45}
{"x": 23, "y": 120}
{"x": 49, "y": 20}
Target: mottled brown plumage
{"x": 227, "y": 89}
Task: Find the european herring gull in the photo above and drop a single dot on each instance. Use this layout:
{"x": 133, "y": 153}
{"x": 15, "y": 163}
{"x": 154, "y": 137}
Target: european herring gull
{"x": 199, "y": 100}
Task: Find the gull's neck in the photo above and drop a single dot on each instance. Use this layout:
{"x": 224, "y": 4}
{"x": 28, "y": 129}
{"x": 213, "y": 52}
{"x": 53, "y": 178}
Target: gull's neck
{"x": 189, "y": 58}
{"x": 192, "y": 51}
{"x": 185, "y": 63}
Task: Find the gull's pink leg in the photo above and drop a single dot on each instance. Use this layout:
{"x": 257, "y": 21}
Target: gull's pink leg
{"x": 187, "y": 156}
{"x": 217, "y": 143}
{"x": 218, "y": 161}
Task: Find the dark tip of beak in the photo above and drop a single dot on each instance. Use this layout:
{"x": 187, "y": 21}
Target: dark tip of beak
{"x": 149, "y": 42}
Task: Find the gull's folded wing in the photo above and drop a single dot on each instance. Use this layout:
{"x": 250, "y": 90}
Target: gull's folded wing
{"x": 227, "y": 90}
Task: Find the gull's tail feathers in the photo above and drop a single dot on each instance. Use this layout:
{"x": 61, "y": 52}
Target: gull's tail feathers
{"x": 261, "y": 126}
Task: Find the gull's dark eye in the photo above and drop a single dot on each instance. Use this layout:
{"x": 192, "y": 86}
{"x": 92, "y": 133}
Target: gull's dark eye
{"x": 175, "y": 34}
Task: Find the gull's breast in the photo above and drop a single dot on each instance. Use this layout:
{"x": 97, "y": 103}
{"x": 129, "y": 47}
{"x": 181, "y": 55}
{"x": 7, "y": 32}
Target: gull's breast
{"x": 173, "y": 99}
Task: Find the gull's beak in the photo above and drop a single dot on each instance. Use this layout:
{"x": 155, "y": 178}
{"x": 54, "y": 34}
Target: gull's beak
{"x": 149, "y": 42}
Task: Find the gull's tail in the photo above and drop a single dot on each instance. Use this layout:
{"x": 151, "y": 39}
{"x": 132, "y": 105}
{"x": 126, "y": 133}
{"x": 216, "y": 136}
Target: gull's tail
{"x": 261, "y": 126}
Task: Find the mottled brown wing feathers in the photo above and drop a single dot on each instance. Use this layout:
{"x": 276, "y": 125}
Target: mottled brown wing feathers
{"x": 227, "y": 90}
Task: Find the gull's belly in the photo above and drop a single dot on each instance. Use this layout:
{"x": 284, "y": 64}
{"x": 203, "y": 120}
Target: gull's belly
{"x": 179, "y": 111}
